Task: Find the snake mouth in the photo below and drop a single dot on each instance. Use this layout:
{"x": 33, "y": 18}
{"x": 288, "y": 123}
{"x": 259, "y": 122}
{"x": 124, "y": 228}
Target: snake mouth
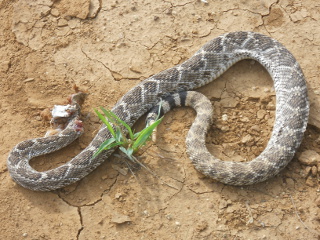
{"x": 78, "y": 125}
{"x": 64, "y": 115}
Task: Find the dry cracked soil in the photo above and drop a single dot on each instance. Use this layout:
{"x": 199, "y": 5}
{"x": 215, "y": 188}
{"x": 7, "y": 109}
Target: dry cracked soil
{"x": 107, "y": 47}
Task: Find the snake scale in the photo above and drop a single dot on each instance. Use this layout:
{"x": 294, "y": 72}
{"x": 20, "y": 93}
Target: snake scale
{"x": 208, "y": 63}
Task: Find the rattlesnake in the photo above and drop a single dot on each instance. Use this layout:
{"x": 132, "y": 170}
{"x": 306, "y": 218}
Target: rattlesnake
{"x": 214, "y": 58}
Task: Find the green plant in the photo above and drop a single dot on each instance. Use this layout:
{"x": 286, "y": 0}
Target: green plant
{"x": 118, "y": 128}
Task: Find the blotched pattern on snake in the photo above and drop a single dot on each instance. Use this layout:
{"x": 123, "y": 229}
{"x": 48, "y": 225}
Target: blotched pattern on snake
{"x": 208, "y": 63}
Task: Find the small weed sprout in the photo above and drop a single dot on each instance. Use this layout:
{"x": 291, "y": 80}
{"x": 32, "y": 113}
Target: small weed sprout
{"x": 128, "y": 145}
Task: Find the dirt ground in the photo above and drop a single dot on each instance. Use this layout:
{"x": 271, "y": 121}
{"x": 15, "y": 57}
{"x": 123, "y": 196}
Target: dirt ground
{"x": 107, "y": 47}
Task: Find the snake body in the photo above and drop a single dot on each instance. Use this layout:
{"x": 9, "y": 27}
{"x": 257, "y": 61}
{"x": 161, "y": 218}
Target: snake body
{"x": 208, "y": 63}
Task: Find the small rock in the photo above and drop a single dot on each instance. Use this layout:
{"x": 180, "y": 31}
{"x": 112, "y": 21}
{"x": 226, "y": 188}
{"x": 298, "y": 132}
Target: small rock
{"x": 290, "y": 182}
{"x": 261, "y": 114}
{"x": 245, "y": 119}
{"x": 168, "y": 11}
{"x": 95, "y": 6}
{"x": 310, "y": 182}
{"x": 120, "y": 218}
{"x": 73, "y": 23}
{"x": 224, "y": 117}
{"x": 246, "y": 139}
{"x": 146, "y": 213}
{"x": 28, "y": 80}
{"x": 223, "y": 204}
{"x": 309, "y": 157}
{"x": 104, "y": 177}
{"x": 117, "y": 195}
{"x": 266, "y": 99}
{"x": 307, "y": 171}
{"x": 299, "y": 15}
{"x": 135, "y": 69}
{"x": 271, "y": 106}
{"x": 54, "y": 12}
{"x": 224, "y": 128}
{"x": 256, "y": 128}
{"x": 202, "y": 226}
{"x": 4, "y": 66}
{"x": 62, "y": 22}
{"x": 314, "y": 171}
{"x": 229, "y": 102}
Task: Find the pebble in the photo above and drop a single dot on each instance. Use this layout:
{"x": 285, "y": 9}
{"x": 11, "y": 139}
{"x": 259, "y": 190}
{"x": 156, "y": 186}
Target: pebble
{"x": 310, "y": 182}
{"x": 224, "y": 117}
{"x": 73, "y": 23}
{"x": 62, "y": 22}
{"x": 246, "y": 139}
{"x": 168, "y": 11}
{"x": 120, "y": 218}
{"x": 225, "y": 128}
{"x": 4, "y": 66}
{"x": 54, "y": 12}
{"x": 271, "y": 106}
{"x": 314, "y": 171}
{"x": 28, "y": 80}
{"x": 223, "y": 204}
{"x": 256, "y": 128}
{"x": 245, "y": 119}
{"x": 307, "y": 170}
{"x": 261, "y": 114}
{"x": 290, "y": 182}
{"x": 309, "y": 157}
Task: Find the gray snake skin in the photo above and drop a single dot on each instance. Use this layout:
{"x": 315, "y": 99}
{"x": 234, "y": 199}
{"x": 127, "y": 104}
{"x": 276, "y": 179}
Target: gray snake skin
{"x": 208, "y": 63}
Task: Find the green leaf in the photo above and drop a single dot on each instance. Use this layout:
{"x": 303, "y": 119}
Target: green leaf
{"x": 104, "y": 146}
{"x": 144, "y": 135}
{"x": 136, "y": 135}
{"x": 104, "y": 120}
{"x": 109, "y": 113}
{"x": 128, "y": 152}
{"x": 115, "y": 144}
{"x": 118, "y": 135}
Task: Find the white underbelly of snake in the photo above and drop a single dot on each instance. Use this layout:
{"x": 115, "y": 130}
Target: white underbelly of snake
{"x": 209, "y": 62}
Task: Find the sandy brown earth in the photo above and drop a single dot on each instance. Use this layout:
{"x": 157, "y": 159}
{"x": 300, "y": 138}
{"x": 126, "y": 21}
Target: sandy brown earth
{"x": 105, "y": 48}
